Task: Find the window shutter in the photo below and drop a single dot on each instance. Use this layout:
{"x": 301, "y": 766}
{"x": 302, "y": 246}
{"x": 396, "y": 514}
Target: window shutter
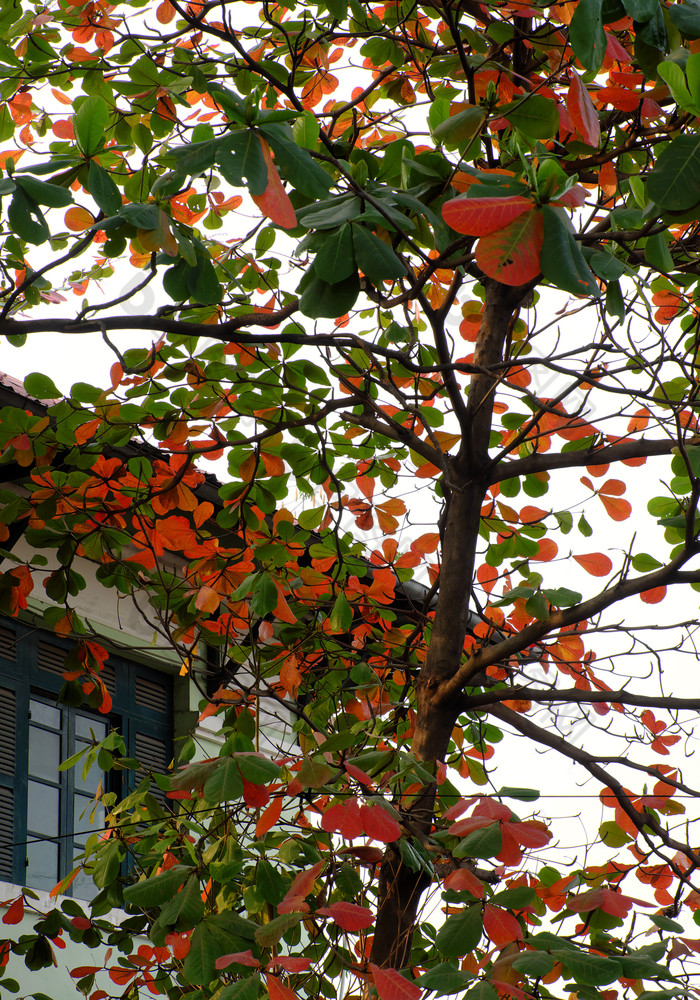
{"x": 8, "y": 725}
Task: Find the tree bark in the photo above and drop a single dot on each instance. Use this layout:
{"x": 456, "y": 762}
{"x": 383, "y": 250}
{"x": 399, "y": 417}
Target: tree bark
{"x": 465, "y": 484}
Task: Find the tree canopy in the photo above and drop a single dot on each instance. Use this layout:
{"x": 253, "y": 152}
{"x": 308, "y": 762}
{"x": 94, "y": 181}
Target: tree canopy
{"x": 425, "y": 276}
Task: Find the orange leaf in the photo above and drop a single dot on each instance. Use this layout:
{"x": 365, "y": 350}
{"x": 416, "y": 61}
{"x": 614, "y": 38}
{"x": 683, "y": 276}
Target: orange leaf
{"x": 481, "y": 216}
{"x": 279, "y": 990}
{"x": 618, "y": 510}
{"x": 613, "y": 487}
{"x": 547, "y": 550}
{"x": 290, "y": 675}
{"x": 512, "y": 255}
{"x": 501, "y": 926}
{"x": 654, "y": 595}
{"x": 595, "y": 563}
{"x": 165, "y": 12}
{"x": 274, "y": 201}
{"x": 607, "y": 179}
{"x": 269, "y": 817}
{"x": 582, "y": 110}
{"x": 15, "y": 911}
{"x": 464, "y": 879}
{"x": 78, "y": 219}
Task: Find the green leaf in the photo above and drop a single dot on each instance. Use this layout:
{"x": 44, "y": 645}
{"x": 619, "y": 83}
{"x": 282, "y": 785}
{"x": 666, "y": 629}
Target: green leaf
{"x": 26, "y": 219}
{"x": 666, "y": 924}
{"x": 270, "y": 883}
{"x": 485, "y": 842}
{"x": 614, "y": 301}
{"x": 270, "y": 934}
{"x": 107, "y": 864}
{"x": 41, "y": 386}
{"x": 374, "y": 257}
{"x": 306, "y": 130}
{"x": 264, "y": 597}
{"x": 657, "y": 253}
{"x": 587, "y": 35}
{"x": 295, "y": 164}
{"x": 314, "y": 772}
{"x": 445, "y": 978}
{"x": 341, "y": 615}
{"x": 43, "y": 192}
{"x": 202, "y": 282}
{"x": 310, "y": 519}
{"x": 459, "y": 130}
{"x": 534, "y": 963}
{"x": 215, "y": 935}
{"x": 481, "y": 991}
{"x": 138, "y": 215}
{"x": 535, "y": 116}
{"x": 158, "y": 889}
{"x": 257, "y": 769}
{"x": 331, "y": 213}
{"x": 321, "y": 300}
{"x": 335, "y": 259}
{"x": 240, "y": 158}
{"x": 561, "y": 259}
{"x": 674, "y": 182}
{"x": 522, "y": 794}
{"x": 90, "y": 125}
{"x": 674, "y": 76}
{"x": 103, "y": 189}
{"x": 243, "y": 989}
{"x": 516, "y": 898}
{"x": 460, "y": 933}
{"x": 225, "y": 784}
{"x": 588, "y": 969}
{"x": 612, "y": 835}
{"x": 185, "y": 908}
{"x": 686, "y": 17}
{"x": 641, "y": 10}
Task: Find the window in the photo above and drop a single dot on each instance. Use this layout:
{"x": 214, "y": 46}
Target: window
{"x": 46, "y": 815}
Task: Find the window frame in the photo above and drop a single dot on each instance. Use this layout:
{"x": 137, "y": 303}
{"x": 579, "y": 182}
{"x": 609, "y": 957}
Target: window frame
{"x": 142, "y": 711}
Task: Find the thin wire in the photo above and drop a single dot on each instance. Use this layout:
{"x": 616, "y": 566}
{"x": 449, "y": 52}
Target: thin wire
{"x": 140, "y": 822}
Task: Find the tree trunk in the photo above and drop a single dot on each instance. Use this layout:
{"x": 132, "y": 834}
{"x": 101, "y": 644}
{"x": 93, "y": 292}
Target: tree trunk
{"x": 465, "y": 483}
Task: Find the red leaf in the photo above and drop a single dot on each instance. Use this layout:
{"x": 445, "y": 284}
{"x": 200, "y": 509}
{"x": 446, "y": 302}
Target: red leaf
{"x": 240, "y": 958}
{"x": 304, "y": 882}
{"x": 532, "y": 833}
{"x": 349, "y": 916}
{"x": 654, "y": 595}
{"x": 255, "y": 796}
{"x": 511, "y": 852}
{"x": 595, "y": 563}
{"x": 15, "y": 911}
{"x": 463, "y": 827}
{"x": 481, "y": 216}
{"x": 391, "y": 985}
{"x": 501, "y": 926}
{"x": 291, "y": 963}
{"x": 278, "y": 990}
{"x": 464, "y": 879}
{"x": 379, "y": 825}
{"x": 343, "y": 818}
{"x": 582, "y": 110}
{"x": 512, "y": 255}
{"x": 274, "y": 201}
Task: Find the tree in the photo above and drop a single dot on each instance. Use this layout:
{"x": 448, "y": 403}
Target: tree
{"x": 327, "y": 201}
